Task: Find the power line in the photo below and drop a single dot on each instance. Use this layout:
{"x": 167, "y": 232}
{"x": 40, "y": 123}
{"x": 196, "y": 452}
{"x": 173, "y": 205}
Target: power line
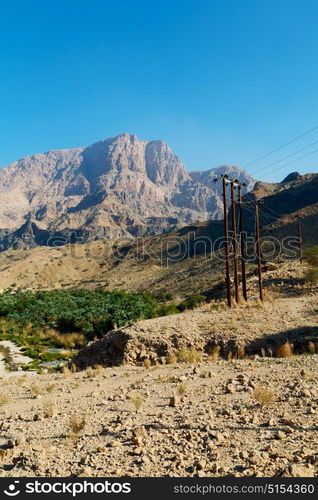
{"x": 291, "y": 162}
{"x": 276, "y": 214}
{"x": 280, "y": 147}
{"x": 285, "y": 158}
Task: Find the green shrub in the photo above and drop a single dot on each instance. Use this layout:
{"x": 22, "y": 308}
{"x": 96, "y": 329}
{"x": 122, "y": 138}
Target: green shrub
{"x": 312, "y": 275}
{"x": 311, "y": 255}
{"x": 164, "y": 296}
{"x": 167, "y": 309}
{"x": 68, "y": 319}
{"x": 191, "y": 302}
{"x": 93, "y": 313}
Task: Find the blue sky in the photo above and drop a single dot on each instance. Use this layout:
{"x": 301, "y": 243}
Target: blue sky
{"x": 222, "y": 81}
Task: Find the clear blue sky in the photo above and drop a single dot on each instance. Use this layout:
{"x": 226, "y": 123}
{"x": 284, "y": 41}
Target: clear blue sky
{"x": 222, "y": 81}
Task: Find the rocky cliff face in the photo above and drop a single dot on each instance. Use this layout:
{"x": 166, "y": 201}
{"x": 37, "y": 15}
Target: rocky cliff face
{"x": 118, "y": 187}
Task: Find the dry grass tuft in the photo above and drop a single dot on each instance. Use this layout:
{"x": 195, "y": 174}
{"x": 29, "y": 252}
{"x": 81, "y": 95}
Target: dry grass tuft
{"x": 264, "y": 396}
{"x": 66, "y": 372}
{"x": 99, "y": 370}
{"x": 64, "y": 340}
{"x": 4, "y": 399}
{"x": 96, "y": 371}
{"x": 214, "y": 353}
{"x": 137, "y": 401}
{"x": 311, "y": 348}
{"x": 37, "y": 390}
{"x": 23, "y": 379}
{"x": 147, "y": 363}
{"x": 50, "y": 388}
{"x": 90, "y": 372}
{"x": 284, "y": 351}
{"x": 182, "y": 389}
{"x": 229, "y": 356}
{"x": 73, "y": 368}
{"x": 76, "y": 425}
{"x": 241, "y": 354}
{"x": 49, "y": 410}
{"x": 171, "y": 358}
{"x": 189, "y": 355}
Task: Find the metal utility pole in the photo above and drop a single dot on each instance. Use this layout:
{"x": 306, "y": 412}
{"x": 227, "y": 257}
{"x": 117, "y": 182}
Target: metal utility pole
{"x": 235, "y": 246}
{"x": 242, "y": 241}
{"x": 300, "y": 241}
{"x": 258, "y": 251}
{"x": 227, "y": 249}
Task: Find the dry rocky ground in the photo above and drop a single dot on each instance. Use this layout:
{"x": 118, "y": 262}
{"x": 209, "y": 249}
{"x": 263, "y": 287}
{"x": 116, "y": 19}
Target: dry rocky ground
{"x": 243, "y": 418}
{"x": 289, "y": 313}
{"x": 212, "y": 417}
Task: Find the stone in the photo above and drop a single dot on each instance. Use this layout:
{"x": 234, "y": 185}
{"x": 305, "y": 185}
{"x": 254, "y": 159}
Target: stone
{"x": 280, "y": 435}
{"x": 19, "y": 441}
{"x": 200, "y": 464}
{"x": 136, "y": 440}
{"x": 230, "y": 389}
{"x": 174, "y": 401}
{"x": 300, "y": 471}
{"x": 306, "y": 393}
{"x": 114, "y": 443}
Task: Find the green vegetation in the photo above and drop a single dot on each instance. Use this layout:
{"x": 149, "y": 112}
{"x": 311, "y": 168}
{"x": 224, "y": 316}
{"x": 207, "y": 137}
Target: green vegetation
{"x": 311, "y": 256}
{"x": 191, "y": 302}
{"x": 67, "y": 319}
{"x": 90, "y": 312}
{"x": 312, "y": 275}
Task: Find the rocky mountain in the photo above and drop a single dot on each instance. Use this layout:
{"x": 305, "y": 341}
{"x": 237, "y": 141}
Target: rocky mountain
{"x": 118, "y": 187}
{"x": 284, "y": 203}
{"x": 127, "y": 265}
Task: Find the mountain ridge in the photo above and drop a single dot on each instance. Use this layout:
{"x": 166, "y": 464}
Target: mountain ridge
{"x": 117, "y": 187}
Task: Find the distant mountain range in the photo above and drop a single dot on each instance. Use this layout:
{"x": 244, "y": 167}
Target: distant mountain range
{"x": 116, "y": 188}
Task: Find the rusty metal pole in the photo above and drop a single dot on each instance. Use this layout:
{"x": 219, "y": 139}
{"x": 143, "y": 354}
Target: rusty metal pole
{"x": 300, "y": 242}
{"x": 227, "y": 250}
{"x": 258, "y": 252}
{"x": 235, "y": 246}
{"x": 242, "y": 241}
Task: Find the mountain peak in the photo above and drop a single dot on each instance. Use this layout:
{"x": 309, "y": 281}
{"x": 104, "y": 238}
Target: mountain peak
{"x": 117, "y": 187}
{"x": 294, "y": 176}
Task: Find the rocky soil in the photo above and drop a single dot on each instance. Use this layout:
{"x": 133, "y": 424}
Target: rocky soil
{"x": 243, "y": 418}
{"x": 288, "y": 314}
{"x": 252, "y": 414}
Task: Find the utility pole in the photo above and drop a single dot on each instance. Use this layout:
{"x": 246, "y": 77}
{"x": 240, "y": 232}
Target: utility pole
{"x": 235, "y": 246}
{"x": 242, "y": 241}
{"x": 227, "y": 249}
{"x": 258, "y": 251}
{"x": 300, "y": 241}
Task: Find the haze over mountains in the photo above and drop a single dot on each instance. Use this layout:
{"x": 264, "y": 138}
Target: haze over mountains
{"x": 117, "y": 187}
